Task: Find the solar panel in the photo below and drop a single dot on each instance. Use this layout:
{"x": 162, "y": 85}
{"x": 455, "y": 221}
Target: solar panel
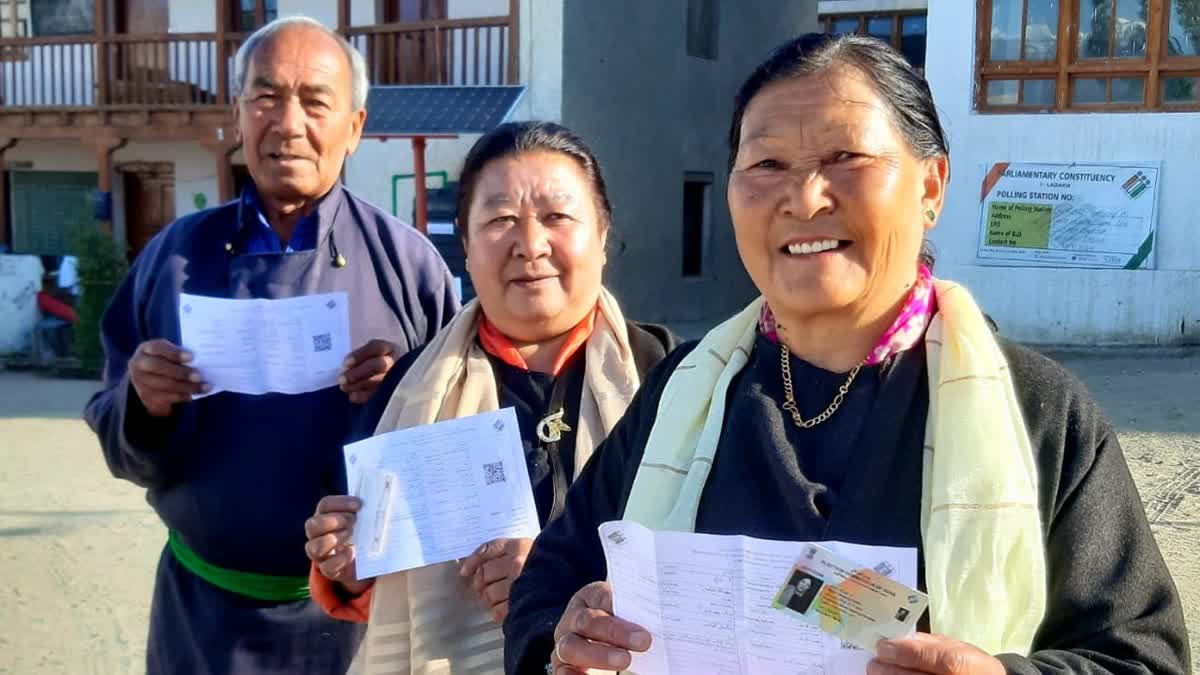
{"x": 435, "y": 110}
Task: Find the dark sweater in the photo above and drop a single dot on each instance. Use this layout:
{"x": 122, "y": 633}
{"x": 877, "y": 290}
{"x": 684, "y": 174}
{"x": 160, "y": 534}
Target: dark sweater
{"x": 1110, "y": 609}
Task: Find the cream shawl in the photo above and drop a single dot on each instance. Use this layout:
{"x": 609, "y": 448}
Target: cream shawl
{"x": 426, "y": 620}
{"x": 985, "y": 566}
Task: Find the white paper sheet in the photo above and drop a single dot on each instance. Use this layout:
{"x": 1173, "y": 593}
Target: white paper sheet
{"x": 256, "y": 346}
{"x": 706, "y": 600}
{"x": 434, "y": 493}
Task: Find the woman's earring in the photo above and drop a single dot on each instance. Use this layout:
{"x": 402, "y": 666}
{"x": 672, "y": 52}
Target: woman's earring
{"x": 930, "y": 215}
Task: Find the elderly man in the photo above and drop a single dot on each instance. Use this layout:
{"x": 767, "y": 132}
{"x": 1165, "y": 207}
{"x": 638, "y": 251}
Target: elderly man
{"x": 234, "y": 476}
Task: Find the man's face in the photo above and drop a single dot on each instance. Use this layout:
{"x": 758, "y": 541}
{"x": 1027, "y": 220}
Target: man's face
{"x": 294, "y": 116}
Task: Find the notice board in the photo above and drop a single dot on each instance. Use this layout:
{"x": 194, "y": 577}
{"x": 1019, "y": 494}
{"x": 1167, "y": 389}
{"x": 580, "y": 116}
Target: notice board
{"x": 1069, "y": 215}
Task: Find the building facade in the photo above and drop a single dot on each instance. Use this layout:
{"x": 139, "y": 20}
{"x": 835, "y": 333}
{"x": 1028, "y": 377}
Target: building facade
{"x": 119, "y": 111}
{"x": 650, "y": 86}
{"x": 1074, "y": 81}
{"x": 1068, "y": 84}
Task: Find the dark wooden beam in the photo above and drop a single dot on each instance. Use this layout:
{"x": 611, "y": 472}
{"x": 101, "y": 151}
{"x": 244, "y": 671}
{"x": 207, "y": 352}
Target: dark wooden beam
{"x": 223, "y": 147}
{"x": 104, "y": 149}
{"x": 101, "y": 75}
{"x": 514, "y": 41}
{"x": 5, "y": 227}
{"x": 222, "y": 51}
{"x": 421, "y": 207}
{"x": 343, "y": 16}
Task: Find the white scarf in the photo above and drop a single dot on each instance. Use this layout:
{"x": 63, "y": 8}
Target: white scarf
{"x": 985, "y": 565}
{"x": 426, "y": 620}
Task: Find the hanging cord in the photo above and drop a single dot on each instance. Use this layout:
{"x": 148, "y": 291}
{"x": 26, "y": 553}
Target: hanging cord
{"x": 338, "y": 261}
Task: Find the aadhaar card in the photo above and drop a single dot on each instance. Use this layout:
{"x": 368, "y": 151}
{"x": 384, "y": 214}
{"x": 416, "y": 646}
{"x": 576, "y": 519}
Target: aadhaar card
{"x": 856, "y": 604}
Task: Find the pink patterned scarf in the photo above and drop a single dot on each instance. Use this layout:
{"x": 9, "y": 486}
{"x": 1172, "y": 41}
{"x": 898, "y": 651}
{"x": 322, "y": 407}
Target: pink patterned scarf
{"x": 905, "y": 331}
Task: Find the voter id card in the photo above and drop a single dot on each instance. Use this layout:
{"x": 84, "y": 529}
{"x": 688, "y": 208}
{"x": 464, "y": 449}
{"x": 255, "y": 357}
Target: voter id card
{"x": 856, "y": 604}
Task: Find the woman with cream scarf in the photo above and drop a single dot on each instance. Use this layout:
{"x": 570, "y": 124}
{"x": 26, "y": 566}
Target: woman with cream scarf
{"x": 861, "y": 399}
{"x": 544, "y": 337}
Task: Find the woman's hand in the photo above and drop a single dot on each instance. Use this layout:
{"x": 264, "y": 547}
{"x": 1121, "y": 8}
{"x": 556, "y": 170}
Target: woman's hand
{"x": 330, "y": 541}
{"x": 932, "y": 654}
{"x": 491, "y": 571}
{"x": 364, "y": 369}
{"x": 589, "y": 636}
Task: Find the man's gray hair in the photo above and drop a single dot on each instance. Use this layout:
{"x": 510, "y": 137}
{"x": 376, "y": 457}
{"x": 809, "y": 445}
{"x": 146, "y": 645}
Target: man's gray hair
{"x": 358, "y": 67}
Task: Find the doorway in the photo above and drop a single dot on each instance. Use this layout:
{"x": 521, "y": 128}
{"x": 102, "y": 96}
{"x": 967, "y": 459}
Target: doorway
{"x": 149, "y": 201}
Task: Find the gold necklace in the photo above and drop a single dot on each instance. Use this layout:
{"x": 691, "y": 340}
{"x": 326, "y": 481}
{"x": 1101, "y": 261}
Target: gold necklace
{"x": 789, "y": 403}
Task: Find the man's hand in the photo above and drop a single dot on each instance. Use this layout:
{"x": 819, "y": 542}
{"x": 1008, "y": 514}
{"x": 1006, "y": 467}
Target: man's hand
{"x": 365, "y": 368}
{"x": 491, "y": 571}
{"x": 925, "y": 654}
{"x": 160, "y": 377}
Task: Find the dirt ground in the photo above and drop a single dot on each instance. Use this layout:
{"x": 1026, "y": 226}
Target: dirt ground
{"x": 79, "y": 548}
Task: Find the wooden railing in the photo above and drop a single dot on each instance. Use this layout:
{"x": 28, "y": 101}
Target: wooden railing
{"x": 173, "y": 71}
{"x": 116, "y": 72}
{"x": 448, "y": 51}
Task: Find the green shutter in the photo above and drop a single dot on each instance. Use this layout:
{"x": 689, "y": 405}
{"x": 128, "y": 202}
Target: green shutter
{"x": 49, "y": 208}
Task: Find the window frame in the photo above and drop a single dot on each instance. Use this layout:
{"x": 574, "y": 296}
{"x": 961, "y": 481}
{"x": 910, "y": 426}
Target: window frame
{"x": 896, "y": 15}
{"x": 237, "y": 14}
{"x": 703, "y": 242}
{"x": 709, "y": 50}
{"x": 1066, "y": 68}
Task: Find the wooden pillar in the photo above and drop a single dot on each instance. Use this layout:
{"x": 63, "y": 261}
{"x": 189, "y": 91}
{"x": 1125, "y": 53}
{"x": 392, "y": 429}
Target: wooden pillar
{"x": 223, "y": 146}
{"x": 422, "y": 202}
{"x": 343, "y": 17}
{"x": 225, "y": 184}
{"x": 260, "y": 14}
{"x": 222, "y": 52}
{"x": 102, "y": 75}
{"x": 104, "y": 148}
{"x": 514, "y": 41}
{"x": 5, "y": 221}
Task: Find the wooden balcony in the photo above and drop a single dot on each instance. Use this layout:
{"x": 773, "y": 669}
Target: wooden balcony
{"x": 447, "y": 51}
{"x": 177, "y": 85}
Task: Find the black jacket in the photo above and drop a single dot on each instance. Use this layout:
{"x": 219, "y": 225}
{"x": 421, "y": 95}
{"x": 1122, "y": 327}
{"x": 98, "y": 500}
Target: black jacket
{"x": 1111, "y": 604}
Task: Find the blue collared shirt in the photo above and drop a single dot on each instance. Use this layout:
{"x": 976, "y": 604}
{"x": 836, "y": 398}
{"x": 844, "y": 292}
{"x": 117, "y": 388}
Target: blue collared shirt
{"x": 261, "y": 238}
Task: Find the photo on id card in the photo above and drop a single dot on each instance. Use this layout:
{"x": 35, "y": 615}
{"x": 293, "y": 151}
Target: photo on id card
{"x": 856, "y": 604}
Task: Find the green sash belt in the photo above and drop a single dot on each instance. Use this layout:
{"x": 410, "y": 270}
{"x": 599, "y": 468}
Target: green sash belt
{"x": 258, "y": 586}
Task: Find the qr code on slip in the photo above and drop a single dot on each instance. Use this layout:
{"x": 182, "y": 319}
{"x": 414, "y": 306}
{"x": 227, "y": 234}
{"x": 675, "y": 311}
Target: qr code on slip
{"x": 322, "y": 342}
{"x": 493, "y": 473}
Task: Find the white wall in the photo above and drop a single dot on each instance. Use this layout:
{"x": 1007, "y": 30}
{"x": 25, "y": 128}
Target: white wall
{"x": 195, "y": 174}
{"x": 541, "y": 59}
{"x": 192, "y": 16}
{"x": 369, "y": 172}
{"x": 1054, "y": 306}
{"x": 467, "y": 9}
{"x": 324, "y": 11}
{"x": 195, "y": 169}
